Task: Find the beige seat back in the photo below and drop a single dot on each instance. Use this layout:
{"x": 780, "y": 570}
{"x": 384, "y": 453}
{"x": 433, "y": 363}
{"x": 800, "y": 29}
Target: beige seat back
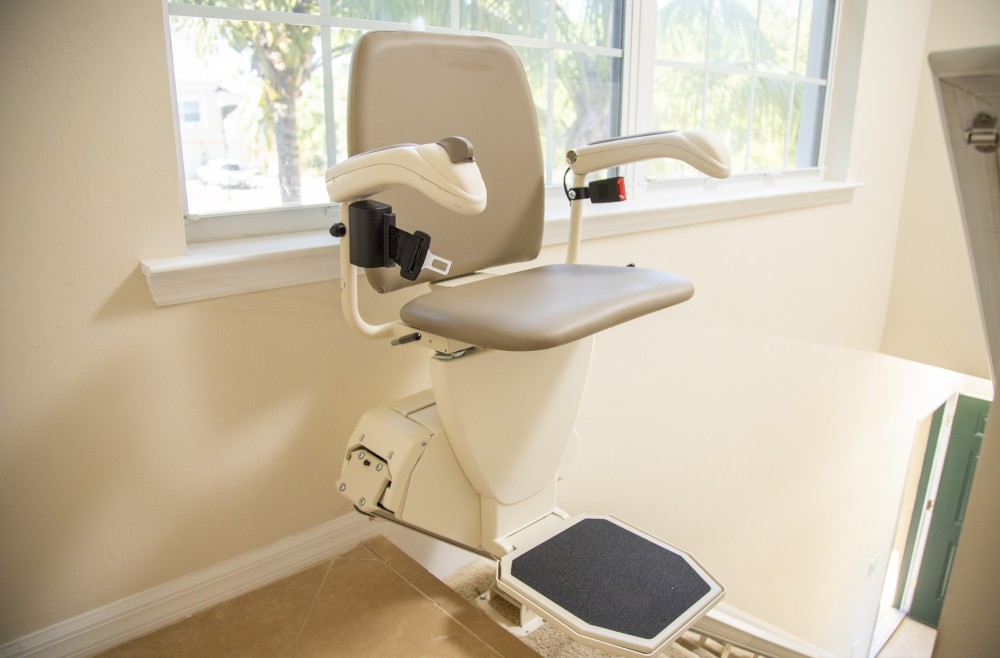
{"x": 415, "y": 87}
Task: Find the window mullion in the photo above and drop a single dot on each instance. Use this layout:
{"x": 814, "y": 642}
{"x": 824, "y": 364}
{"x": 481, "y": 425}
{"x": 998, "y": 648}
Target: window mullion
{"x": 638, "y": 68}
{"x": 550, "y": 93}
{"x": 791, "y": 95}
{"x": 638, "y": 75}
{"x": 753, "y": 89}
{"x": 704, "y": 73}
{"x": 329, "y": 113}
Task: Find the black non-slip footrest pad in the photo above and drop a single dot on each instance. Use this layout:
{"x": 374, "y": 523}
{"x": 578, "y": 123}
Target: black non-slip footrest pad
{"x": 612, "y": 578}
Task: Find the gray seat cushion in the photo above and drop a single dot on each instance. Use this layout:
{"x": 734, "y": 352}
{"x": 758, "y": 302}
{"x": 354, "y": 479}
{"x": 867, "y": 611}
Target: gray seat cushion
{"x": 546, "y": 306}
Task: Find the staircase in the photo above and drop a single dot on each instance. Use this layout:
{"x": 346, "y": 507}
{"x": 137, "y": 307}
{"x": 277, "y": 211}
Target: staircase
{"x": 697, "y": 645}
{"x": 728, "y": 632}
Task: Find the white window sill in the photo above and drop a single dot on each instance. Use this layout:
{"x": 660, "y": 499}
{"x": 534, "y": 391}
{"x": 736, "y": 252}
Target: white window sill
{"x": 230, "y": 267}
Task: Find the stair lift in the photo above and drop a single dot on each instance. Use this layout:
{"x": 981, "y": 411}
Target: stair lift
{"x": 475, "y": 460}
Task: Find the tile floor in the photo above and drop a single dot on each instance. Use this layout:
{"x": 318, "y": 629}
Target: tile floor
{"x": 911, "y": 640}
{"x": 373, "y": 601}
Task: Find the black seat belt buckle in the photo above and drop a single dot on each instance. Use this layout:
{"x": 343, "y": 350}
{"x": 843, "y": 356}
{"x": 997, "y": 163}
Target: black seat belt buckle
{"x": 607, "y": 190}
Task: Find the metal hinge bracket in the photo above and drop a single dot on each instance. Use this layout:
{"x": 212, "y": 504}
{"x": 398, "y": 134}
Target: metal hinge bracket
{"x": 983, "y": 134}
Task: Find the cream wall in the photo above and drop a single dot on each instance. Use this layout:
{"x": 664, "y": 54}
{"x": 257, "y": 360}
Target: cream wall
{"x": 139, "y": 444}
{"x": 933, "y": 313}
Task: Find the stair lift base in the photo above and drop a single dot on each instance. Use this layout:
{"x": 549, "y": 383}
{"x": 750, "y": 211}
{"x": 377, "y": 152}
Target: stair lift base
{"x": 602, "y": 581}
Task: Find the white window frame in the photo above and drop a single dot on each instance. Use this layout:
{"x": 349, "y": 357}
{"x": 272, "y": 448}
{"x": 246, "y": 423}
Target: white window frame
{"x": 214, "y": 267}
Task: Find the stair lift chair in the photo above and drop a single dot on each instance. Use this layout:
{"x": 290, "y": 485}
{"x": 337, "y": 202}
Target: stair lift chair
{"x": 474, "y": 461}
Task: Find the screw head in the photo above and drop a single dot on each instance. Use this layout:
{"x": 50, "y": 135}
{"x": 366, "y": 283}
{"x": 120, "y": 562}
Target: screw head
{"x": 378, "y": 467}
{"x": 361, "y": 455}
{"x": 362, "y": 502}
{"x": 342, "y": 487}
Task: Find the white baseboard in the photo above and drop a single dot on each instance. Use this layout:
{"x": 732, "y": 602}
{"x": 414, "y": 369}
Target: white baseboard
{"x": 142, "y": 613}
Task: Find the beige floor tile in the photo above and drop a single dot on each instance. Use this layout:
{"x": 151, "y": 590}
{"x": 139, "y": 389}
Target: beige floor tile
{"x": 358, "y": 553}
{"x": 264, "y": 623}
{"x": 473, "y": 619}
{"x": 373, "y": 600}
{"x": 366, "y": 609}
{"x": 392, "y": 555}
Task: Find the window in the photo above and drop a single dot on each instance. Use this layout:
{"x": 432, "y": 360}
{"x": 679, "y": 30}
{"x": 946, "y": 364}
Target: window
{"x": 752, "y": 71}
{"x": 272, "y": 77}
{"x": 191, "y": 112}
{"x": 262, "y": 84}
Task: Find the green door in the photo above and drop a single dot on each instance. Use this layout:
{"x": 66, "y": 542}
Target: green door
{"x": 949, "y": 509}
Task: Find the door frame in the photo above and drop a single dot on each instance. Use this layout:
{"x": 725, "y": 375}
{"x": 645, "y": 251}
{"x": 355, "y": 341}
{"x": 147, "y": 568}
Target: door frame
{"x": 920, "y": 516}
{"x": 919, "y": 525}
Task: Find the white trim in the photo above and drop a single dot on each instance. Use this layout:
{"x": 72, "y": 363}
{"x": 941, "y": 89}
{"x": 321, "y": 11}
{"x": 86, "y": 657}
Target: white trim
{"x": 147, "y": 611}
{"x": 707, "y": 205}
{"x": 230, "y": 267}
{"x": 726, "y": 623}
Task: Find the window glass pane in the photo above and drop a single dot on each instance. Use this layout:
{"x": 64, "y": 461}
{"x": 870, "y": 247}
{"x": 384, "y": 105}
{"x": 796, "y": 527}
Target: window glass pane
{"x": 536, "y": 68}
{"x": 415, "y": 12}
{"x": 733, "y": 32}
{"x": 341, "y": 48}
{"x": 585, "y": 102}
{"x": 682, "y": 30}
{"x": 677, "y": 105}
{"x": 589, "y": 22}
{"x": 528, "y": 18}
{"x": 772, "y": 55}
{"x": 776, "y": 40}
{"x": 727, "y": 111}
{"x": 770, "y": 127}
{"x": 259, "y": 142}
{"x": 294, "y": 6}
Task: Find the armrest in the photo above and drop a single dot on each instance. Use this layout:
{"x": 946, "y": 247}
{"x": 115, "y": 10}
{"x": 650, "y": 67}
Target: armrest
{"x": 443, "y": 171}
{"x": 702, "y": 150}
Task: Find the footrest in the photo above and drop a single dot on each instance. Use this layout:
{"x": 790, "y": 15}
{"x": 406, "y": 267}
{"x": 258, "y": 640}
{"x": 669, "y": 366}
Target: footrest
{"x": 610, "y": 585}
